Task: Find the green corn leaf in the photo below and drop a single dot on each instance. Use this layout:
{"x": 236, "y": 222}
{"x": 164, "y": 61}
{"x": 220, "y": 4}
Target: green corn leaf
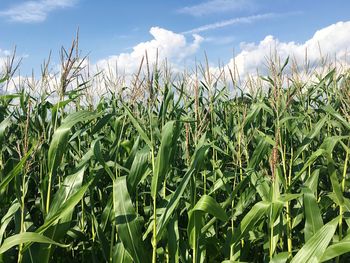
{"x": 314, "y": 248}
{"x": 99, "y": 157}
{"x": 120, "y": 255}
{"x": 280, "y": 258}
{"x": 335, "y": 184}
{"x": 330, "y": 110}
{"x": 313, "y": 218}
{"x": 26, "y": 237}
{"x": 196, "y": 164}
{"x": 138, "y": 168}
{"x": 250, "y": 219}
{"x": 3, "y": 125}
{"x": 70, "y": 186}
{"x": 336, "y": 250}
{"x": 173, "y": 240}
{"x": 138, "y": 127}
{"x": 65, "y": 209}
{"x": 7, "y": 218}
{"x": 312, "y": 134}
{"x": 205, "y": 205}
{"x": 259, "y": 154}
{"x": 16, "y": 170}
{"x": 163, "y": 157}
{"x": 254, "y": 111}
{"x": 103, "y": 240}
{"x": 208, "y": 205}
{"x": 309, "y": 162}
{"x": 128, "y": 224}
{"x": 61, "y": 137}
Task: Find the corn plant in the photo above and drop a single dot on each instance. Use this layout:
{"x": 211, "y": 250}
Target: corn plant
{"x": 188, "y": 172}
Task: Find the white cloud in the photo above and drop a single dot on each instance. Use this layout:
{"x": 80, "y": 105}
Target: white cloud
{"x": 216, "y": 6}
{"x": 36, "y": 86}
{"x": 3, "y": 56}
{"x": 230, "y": 22}
{"x": 34, "y": 11}
{"x": 333, "y": 41}
{"x": 170, "y": 45}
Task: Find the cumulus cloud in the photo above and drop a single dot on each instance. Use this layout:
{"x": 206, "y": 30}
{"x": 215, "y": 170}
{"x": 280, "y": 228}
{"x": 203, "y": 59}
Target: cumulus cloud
{"x": 4, "y": 54}
{"x": 332, "y": 41}
{"x": 34, "y": 11}
{"x": 216, "y": 6}
{"x": 170, "y": 45}
{"x": 3, "y": 57}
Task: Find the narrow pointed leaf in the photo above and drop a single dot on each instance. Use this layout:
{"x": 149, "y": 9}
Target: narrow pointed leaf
{"x": 314, "y": 248}
{"x": 26, "y": 237}
{"x": 128, "y": 224}
{"x": 163, "y": 157}
{"x": 313, "y": 219}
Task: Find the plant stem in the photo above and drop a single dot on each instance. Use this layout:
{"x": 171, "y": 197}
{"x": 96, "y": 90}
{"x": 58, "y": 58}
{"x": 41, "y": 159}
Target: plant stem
{"x": 341, "y": 206}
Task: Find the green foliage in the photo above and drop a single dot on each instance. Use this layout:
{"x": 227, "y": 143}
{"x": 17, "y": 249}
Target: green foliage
{"x": 197, "y": 176}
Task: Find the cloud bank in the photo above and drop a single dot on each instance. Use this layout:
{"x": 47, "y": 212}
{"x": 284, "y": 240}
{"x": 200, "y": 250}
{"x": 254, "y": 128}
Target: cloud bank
{"x": 333, "y": 41}
{"x": 3, "y": 57}
{"x": 172, "y": 46}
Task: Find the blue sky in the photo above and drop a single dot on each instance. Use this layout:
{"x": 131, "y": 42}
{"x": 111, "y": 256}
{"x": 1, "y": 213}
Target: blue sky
{"x": 110, "y": 28}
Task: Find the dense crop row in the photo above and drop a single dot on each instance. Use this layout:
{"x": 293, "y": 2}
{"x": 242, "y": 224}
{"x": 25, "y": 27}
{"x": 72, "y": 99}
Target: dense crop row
{"x": 185, "y": 174}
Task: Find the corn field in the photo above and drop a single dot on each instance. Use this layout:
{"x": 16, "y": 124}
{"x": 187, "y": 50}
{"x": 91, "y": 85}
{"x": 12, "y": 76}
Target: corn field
{"x": 177, "y": 170}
